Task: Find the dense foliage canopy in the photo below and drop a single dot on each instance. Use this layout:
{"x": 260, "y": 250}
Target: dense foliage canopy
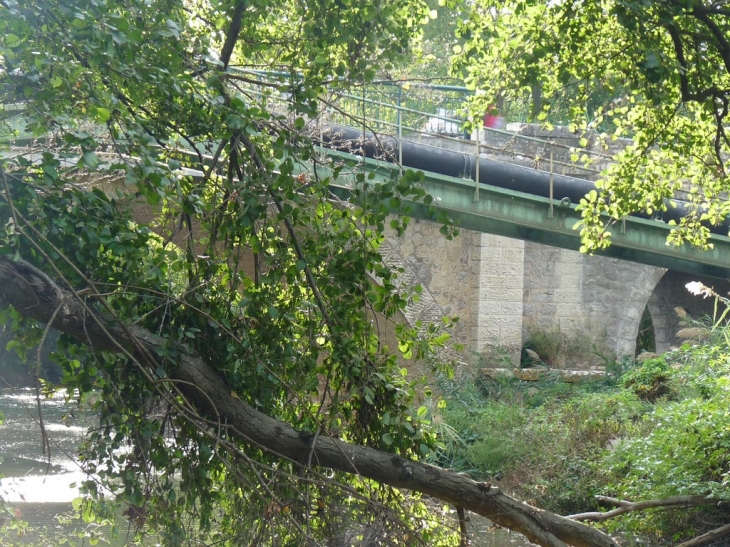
{"x": 273, "y": 284}
{"x": 657, "y": 72}
{"x": 232, "y": 345}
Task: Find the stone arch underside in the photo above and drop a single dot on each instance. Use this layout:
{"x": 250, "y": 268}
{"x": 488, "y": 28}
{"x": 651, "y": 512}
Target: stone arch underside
{"x": 615, "y": 294}
{"x": 670, "y": 293}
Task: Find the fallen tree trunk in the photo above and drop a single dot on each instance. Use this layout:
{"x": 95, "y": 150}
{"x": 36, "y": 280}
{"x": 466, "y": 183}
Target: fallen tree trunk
{"x": 35, "y": 295}
{"x": 712, "y": 535}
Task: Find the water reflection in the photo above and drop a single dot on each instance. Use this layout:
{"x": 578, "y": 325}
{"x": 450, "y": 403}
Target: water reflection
{"x": 39, "y": 488}
{"x": 29, "y": 476}
{"x": 482, "y": 533}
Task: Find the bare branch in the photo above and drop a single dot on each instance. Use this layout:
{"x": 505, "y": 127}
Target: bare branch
{"x": 628, "y": 506}
{"x": 706, "y": 538}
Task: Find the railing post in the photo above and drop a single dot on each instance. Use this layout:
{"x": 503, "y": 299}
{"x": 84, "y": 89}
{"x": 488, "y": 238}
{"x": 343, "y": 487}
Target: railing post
{"x": 476, "y": 168}
{"x": 364, "y": 116}
{"x": 550, "y": 213}
{"x": 400, "y": 127}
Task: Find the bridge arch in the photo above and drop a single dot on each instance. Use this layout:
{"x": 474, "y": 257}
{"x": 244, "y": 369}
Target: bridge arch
{"x": 669, "y": 293}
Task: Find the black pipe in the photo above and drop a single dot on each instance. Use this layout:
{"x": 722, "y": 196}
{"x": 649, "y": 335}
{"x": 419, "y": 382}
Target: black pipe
{"x": 491, "y": 172}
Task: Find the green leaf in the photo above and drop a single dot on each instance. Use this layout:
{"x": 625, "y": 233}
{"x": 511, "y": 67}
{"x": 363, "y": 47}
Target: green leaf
{"x": 12, "y": 40}
{"x": 91, "y": 160}
{"x": 102, "y": 114}
{"x": 652, "y": 60}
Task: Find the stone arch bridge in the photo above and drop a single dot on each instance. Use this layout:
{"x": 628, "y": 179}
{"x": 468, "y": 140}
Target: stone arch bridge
{"x": 502, "y": 289}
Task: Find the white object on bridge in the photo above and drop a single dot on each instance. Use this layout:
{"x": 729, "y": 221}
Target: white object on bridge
{"x": 437, "y": 124}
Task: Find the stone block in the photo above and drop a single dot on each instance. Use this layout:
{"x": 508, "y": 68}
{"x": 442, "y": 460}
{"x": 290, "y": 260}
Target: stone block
{"x": 542, "y": 374}
{"x": 548, "y": 309}
{"x": 491, "y": 253}
{"x": 511, "y": 336}
{"x": 568, "y": 296}
{"x": 490, "y": 307}
{"x": 514, "y": 255}
{"x": 501, "y": 268}
{"x": 569, "y": 310}
{"x": 497, "y": 241}
{"x": 570, "y": 269}
{"x": 539, "y": 295}
{"x": 502, "y": 295}
{"x": 501, "y": 321}
{"x": 512, "y": 308}
{"x": 487, "y": 335}
{"x": 566, "y": 255}
{"x": 502, "y": 281}
{"x": 539, "y": 269}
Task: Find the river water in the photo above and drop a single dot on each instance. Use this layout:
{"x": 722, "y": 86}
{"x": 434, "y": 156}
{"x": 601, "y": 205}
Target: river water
{"x": 38, "y": 489}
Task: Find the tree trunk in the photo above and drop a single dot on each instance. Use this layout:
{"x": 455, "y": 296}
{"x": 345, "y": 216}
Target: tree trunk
{"x": 35, "y": 295}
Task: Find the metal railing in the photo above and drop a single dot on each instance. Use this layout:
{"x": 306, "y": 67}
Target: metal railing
{"x": 436, "y": 115}
{"x": 430, "y": 114}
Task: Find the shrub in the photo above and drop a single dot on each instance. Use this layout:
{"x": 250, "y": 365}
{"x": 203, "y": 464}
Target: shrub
{"x": 649, "y": 380}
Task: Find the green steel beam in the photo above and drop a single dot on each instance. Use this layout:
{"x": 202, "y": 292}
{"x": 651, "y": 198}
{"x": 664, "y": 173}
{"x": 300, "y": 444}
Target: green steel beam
{"x": 525, "y": 216}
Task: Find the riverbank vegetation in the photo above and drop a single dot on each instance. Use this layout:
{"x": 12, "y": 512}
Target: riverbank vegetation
{"x": 653, "y": 430}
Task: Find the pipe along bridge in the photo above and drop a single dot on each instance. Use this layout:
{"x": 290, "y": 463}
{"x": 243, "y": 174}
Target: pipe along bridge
{"x": 510, "y": 200}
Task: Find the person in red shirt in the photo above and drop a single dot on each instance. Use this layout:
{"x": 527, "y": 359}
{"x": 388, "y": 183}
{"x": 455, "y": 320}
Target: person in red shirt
{"x": 492, "y": 119}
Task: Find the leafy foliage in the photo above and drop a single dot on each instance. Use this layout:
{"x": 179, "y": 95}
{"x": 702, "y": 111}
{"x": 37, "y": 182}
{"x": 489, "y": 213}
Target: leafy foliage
{"x": 655, "y": 71}
{"x": 269, "y": 280}
{"x": 649, "y": 380}
{"x": 544, "y": 443}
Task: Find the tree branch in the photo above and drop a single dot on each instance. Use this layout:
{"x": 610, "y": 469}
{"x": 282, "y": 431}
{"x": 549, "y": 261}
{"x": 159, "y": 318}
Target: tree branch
{"x": 706, "y": 538}
{"x": 628, "y": 506}
{"x": 233, "y": 32}
{"x": 687, "y": 95}
{"x": 36, "y": 296}
{"x": 718, "y": 33}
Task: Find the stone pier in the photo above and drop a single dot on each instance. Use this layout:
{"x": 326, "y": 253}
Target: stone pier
{"x": 502, "y": 288}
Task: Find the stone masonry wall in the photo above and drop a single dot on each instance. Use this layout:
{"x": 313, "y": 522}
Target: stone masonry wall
{"x": 552, "y": 296}
{"x": 501, "y": 288}
{"x": 500, "y": 268}
{"x": 444, "y": 268}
